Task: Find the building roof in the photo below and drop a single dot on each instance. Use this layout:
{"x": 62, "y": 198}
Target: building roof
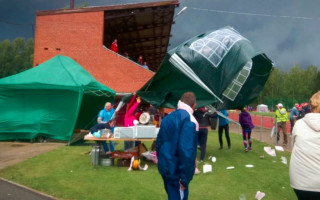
{"x": 141, "y": 29}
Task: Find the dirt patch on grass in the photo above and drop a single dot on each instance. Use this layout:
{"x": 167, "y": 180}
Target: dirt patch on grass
{"x": 15, "y": 152}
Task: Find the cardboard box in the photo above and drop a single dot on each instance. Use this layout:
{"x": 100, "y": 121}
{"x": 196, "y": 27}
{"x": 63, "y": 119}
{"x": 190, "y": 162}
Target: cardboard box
{"x": 124, "y": 132}
{"x": 139, "y": 131}
{"x": 124, "y": 155}
{"x": 148, "y": 131}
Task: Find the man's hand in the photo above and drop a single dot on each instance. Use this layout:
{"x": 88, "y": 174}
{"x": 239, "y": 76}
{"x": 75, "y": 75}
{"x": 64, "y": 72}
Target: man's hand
{"x": 182, "y": 187}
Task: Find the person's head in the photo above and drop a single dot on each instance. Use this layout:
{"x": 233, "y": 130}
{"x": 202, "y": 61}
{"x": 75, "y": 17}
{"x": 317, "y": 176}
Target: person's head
{"x": 243, "y": 109}
{"x": 296, "y": 105}
{"x": 279, "y": 105}
{"x": 189, "y": 98}
{"x": 140, "y": 57}
{"x": 108, "y": 106}
{"x": 315, "y": 102}
{"x": 138, "y": 99}
{"x": 115, "y": 40}
{"x": 299, "y": 107}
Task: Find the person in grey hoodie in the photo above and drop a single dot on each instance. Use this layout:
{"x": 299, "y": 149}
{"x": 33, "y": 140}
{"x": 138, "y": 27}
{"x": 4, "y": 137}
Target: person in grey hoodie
{"x": 305, "y": 156}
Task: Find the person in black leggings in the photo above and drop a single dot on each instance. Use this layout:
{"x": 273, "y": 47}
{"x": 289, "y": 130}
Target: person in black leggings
{"x": 224, "y": 125}
{"x": 202, "y": 116}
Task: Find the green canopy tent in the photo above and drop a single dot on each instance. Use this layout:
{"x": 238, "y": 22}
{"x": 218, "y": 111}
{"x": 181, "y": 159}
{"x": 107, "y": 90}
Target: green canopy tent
{"x": 50, "y": 100}
{"x": 221, "y": 67}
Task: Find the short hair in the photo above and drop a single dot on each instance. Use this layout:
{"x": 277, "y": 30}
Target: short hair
{"x": 188, "y": 98}
{"x": 315, "y": 102}
{"x": 107, "y": 103}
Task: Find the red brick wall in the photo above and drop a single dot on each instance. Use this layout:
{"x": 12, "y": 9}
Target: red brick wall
{"x": 80, "y": 36}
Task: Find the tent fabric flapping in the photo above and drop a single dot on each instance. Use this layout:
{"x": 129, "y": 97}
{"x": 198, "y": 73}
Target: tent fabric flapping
{"x": 50, "y": 100}
{"x": 221, "y": 67}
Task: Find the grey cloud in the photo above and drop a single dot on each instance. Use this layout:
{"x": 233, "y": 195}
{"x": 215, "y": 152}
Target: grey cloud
{"x": 273, "y": 26}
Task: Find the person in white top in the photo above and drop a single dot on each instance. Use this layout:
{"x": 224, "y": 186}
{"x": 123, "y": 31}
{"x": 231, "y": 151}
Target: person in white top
{"x": 305, "y": 156}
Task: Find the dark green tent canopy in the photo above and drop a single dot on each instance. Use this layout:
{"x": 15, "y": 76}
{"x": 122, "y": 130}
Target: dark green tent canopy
{"x": 51, "y": 100}
{"x": 221, "y": 67}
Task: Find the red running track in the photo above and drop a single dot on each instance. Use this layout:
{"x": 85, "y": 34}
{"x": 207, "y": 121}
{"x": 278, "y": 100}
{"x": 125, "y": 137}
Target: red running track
{"x": 258, "y": 121}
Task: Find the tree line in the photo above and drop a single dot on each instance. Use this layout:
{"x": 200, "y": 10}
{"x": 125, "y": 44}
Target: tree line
{"x": 295, "y": 85}
{"x": 15, "y": 56}
{"x": 288, "y": 87}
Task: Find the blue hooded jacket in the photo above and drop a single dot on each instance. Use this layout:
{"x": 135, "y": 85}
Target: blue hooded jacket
{"x": 176, "y": 147}
{"x": 223, "y": 121}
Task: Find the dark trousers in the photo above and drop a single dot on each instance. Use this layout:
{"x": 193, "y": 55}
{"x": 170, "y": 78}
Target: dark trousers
{"x": 220, "y": 132}
{"x": 292, "y": 122}
{"x": 283, "y": 126}
{"x": 202, "y": 138}
{"x": 173, "y": 190}
{"x": 129, "y": 145}
{"x": 307, "y": 195}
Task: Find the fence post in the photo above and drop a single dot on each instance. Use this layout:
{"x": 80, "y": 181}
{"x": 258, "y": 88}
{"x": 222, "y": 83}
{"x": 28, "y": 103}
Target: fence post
{"x": 276, "y": 130}
{"x": 261, "y": 126}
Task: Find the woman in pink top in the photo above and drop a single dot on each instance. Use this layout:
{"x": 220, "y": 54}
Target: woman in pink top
{"x": 129, "y": 118}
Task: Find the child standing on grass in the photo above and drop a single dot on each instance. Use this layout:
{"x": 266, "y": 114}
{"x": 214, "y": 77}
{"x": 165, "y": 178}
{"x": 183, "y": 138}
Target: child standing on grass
{"x": 247, "y": 126}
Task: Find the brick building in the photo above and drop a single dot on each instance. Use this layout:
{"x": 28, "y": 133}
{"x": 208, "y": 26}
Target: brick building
{"x": 85, "y": 35}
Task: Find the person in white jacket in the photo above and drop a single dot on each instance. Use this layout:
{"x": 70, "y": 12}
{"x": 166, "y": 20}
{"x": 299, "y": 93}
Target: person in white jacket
{"x": 305, "y": 157}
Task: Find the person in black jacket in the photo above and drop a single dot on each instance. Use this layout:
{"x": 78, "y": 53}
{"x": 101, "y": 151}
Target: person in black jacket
{"x": 202, "y": 116}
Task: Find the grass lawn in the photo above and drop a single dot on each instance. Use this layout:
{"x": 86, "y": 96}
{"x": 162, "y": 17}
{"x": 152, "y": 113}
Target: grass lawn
{"x": 66, "y": 173}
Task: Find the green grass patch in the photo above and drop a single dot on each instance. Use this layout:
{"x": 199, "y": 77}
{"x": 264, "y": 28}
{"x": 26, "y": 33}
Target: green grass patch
{"x": 66, "y": 173}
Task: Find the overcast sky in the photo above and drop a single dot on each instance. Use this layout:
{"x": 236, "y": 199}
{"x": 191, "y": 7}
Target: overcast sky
{"x": 288, "y": 31}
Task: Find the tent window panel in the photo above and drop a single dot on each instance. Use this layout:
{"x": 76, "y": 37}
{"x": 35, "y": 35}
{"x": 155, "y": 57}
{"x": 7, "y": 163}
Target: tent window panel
{"x": 226, "y": 92}
{"x": 241, "y": 79}
{"x": 215, "y": 46}
{"x": 221, "y": 51}
{"x": 215, "y": 59}
{"x": 232, "y": 90}
{"x": 248, "y": 65}
{"x": 228, "y": 43}
{"x": 218, "y": 37}
{"x": 245, "y": 72}
{"x": 236, "y": 87}
{"x": 206, "y": 52}
{"x": 230, "y": 94}
{"x": 197, "y": 47}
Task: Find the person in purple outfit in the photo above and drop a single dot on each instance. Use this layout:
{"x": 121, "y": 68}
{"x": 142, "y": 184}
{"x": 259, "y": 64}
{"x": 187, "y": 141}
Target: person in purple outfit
{"x": 247, "y": 126}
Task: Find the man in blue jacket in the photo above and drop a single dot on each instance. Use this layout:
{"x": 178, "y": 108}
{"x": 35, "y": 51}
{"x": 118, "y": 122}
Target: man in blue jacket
{"x": 176, "y": 147}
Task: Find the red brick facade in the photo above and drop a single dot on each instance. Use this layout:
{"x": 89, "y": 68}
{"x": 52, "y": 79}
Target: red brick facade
{"x": 80, "y": 36}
